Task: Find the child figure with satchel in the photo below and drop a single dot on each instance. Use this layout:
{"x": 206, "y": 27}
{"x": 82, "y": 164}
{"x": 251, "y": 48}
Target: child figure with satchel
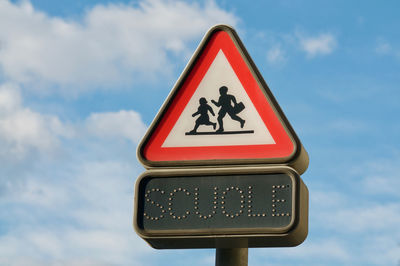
{"x": 225, "y": 101}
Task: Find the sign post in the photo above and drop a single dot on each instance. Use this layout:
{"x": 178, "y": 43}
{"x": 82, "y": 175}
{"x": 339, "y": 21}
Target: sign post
{"x": 231, "y": 256}
{"x": 223, "y": 162}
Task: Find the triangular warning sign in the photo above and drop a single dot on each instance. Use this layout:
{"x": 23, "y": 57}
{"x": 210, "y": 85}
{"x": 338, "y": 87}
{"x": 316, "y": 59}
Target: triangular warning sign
{"x": 221, "y": 112}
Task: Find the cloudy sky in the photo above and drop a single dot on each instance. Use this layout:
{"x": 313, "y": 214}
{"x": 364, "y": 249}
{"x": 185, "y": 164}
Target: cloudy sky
{"x": 80, "y": 82}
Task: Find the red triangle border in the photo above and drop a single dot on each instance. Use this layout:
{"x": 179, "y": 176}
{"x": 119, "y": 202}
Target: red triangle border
{"x": 218, "y": 40}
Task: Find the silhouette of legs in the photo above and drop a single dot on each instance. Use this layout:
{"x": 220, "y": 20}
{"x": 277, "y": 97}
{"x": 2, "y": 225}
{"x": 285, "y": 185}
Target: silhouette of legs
{"x": 211, "y": 124}
{"x": 196, "y": 126}
{"x": 221, "y": 122}
{"x": 240, "y": 120}
{"x": 233, "y": 116}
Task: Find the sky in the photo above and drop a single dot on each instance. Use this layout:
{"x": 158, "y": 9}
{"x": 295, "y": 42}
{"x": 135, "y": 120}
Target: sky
{"x": 81, "y": 81}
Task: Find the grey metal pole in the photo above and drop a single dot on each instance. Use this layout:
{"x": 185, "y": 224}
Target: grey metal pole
{"x": 231, "y": 256}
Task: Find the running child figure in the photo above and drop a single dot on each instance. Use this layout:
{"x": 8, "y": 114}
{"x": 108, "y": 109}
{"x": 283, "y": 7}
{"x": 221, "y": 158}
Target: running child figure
{"x": 203, "y": 119}
{"x": 229, "y": 106}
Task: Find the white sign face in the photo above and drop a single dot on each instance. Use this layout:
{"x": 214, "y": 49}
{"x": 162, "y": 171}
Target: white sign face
{"x": 220, "y": 113}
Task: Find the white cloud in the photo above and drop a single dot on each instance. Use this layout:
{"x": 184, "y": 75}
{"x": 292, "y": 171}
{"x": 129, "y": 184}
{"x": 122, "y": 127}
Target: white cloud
{"x": 76, "y": 213}
{"x": 76, "y": 209}
{"x": 322, "y": 44}
{"x": 122, "y": 124}
{"x": 384, "y": 184}
{"x": 371, "y": 219}
{"x": 328, "y": 198}
{"x": 350, "y": 212}
{"x": 107, "y": 47}
{"x": 276, "y": 55}
{"x": 327, "y": 251}
{"x": 380, "y": 176}
{"x": 22, "y": 129}
{"x": 355, "y": 222}
{"x": 283, "y": 45}
{"x": 383, "y": 47}
{"x": 10, "y": 98}
{"x": 43, "y": 194}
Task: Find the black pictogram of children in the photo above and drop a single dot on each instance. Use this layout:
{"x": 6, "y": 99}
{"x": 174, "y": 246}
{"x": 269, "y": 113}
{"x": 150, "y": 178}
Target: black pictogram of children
{"x": 228, "y": 105}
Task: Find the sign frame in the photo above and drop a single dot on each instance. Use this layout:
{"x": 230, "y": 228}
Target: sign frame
{"x": 298, "y": 159}
{"x": 292, "y": 235}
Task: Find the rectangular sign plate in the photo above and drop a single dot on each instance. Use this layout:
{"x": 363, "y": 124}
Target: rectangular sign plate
{"x": 249, "y": 204}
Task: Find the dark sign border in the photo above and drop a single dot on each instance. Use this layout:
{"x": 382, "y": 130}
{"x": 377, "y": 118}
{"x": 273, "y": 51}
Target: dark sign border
{"x": 292, "y": 235}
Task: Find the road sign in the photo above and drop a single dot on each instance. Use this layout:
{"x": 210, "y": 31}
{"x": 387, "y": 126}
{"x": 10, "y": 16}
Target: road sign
{"x": 221, "y": 112}
{"x": 221, "y": 207}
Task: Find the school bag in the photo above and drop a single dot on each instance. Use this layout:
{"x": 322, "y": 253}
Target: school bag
{"x": 238, "y": 108}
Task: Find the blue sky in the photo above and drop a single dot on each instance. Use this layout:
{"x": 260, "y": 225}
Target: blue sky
{"x": 80, "y": 81}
